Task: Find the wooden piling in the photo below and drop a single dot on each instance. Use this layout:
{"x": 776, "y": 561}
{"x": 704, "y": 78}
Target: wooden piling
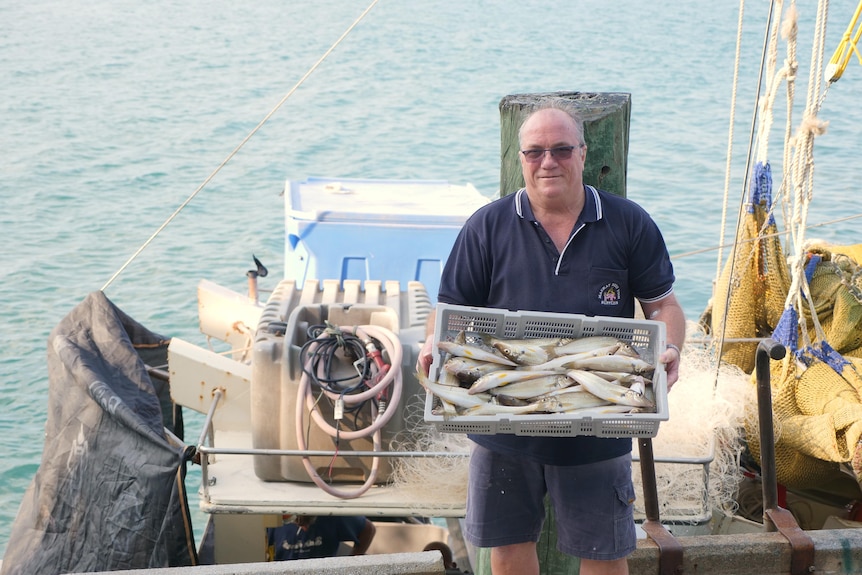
{"x": 606, "y": 118}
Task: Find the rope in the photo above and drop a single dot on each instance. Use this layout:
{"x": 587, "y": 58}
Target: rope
{"x": 727, "y": 170}
{"x": 241, "y": 144}
{"x": 800, "y": 172}
{"x": 751, "y": 140}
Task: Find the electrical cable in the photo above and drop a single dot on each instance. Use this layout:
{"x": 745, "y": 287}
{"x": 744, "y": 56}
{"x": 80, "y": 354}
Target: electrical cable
{"x": 318, "y": 358}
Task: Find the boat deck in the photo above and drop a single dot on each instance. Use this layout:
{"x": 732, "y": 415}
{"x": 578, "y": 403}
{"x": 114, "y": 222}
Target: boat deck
{"x": 230, "y": 486}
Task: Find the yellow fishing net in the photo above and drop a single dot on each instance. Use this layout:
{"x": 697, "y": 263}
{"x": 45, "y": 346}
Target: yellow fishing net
{"x": 817, "y": 392}
{"x": 756, "y": 279}
{"x": 836, "y": 291}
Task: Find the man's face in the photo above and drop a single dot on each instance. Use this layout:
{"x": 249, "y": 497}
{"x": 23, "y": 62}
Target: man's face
{"x": 551, "y": 177}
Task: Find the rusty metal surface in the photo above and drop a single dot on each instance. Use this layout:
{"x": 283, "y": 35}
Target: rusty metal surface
{"x": 670, "y": 560}
{"x": 801, "y": 544}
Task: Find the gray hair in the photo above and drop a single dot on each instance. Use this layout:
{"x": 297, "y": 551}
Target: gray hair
{"x": 561, "y": 105}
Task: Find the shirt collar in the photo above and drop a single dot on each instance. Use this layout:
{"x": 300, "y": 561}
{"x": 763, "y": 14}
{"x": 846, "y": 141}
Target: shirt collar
{"x": 592, "y": 211}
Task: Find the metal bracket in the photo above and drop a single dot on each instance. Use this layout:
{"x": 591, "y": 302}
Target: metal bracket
{"x": 670, "y": 550}
{"x": 801, "y": 545}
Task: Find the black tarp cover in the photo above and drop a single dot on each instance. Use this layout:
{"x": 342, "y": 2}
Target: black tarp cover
{"x": 109, "y": 493}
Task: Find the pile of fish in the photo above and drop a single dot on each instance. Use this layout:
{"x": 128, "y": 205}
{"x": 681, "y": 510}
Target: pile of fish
{"x": 485, "y": 375}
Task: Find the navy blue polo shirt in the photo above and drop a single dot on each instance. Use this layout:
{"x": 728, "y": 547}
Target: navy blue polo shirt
{"x": 503, "y": 258}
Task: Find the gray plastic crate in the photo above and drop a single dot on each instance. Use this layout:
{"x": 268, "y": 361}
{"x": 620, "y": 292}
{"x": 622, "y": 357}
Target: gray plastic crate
{"x": 648, "y": 337}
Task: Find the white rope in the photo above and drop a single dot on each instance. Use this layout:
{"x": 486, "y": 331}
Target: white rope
{"x": 800, "y": 172}
{"x": 733, "y": 94}
{"x": 719, "y": 339}
{"x": 241, "y": 144}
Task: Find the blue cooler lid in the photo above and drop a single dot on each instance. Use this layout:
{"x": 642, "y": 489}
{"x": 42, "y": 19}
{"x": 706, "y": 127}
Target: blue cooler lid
{"x": 386, "y": 201}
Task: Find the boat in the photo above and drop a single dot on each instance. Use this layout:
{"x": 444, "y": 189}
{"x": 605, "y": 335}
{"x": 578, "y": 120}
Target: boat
{"x": 253, "y": 473}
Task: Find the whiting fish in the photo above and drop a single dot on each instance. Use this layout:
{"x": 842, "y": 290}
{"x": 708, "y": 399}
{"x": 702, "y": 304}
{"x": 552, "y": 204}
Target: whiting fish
{"x": 473, "y": 352}
{"x": 457, "y": 396}
{"x": 628, "y": 350}
{"x": 487, "y": 375}
{"x": 534, "y": 387}
{"x": 569, "y": 402}
{"x": 469, "y": 370}
{"x": 610, "y": 391}
{"x": 505, "y": 377}
{"x": 494, "y": 408}
{"x": 614, "y": 363}
{"x": 564, "y": 362}
{"x": 583, "y": 344}
{"x": 522, "y": 352}
{"x": 604, "y": 410}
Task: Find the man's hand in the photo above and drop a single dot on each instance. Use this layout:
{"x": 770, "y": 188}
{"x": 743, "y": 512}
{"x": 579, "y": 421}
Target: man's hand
{"x": 423, "y": 363}
{"x": 670, "y": 358}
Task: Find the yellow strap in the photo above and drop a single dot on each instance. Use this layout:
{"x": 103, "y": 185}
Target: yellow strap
{"x": 841, "y": 57}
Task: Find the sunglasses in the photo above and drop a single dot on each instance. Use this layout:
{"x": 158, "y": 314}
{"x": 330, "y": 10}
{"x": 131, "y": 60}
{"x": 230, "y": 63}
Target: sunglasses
{"x": 558, "y": 153}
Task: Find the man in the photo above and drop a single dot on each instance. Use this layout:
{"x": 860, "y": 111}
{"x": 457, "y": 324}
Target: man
{"x": 313, "y": 537}
{"x": 558, "y": 246}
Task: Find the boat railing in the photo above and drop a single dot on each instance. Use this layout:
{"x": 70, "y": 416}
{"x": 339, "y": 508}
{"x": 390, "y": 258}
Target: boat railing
{"x": 206, "y": 448}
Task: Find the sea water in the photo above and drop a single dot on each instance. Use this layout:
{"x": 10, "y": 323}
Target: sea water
{"x": 112, "y": 115}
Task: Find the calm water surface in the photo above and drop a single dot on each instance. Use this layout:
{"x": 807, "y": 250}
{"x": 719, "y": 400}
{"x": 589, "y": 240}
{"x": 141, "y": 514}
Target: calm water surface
{"x": 113, "y": 113}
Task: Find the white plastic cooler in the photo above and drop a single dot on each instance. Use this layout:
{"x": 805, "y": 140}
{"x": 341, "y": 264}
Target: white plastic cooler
{"x": 387, "y": 230}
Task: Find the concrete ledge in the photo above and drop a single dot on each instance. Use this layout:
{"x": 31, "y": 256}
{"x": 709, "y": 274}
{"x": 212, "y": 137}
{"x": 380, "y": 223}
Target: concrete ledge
{"x": 423, "y": 563}
{"x": 835, "y": 551}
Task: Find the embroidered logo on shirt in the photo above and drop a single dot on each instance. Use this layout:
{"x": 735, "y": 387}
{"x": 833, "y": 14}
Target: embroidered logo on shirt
{"x": 610, "y": 294}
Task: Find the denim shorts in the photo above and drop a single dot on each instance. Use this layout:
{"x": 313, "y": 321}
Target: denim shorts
{"x": 593, "y": 504}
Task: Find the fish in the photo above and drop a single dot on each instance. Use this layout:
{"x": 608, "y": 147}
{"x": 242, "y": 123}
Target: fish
{"x": 624, "y": 378}
{"x": 627, "y": 350}
{"x": 469, "y": 370}
{"x": 534, "y": 387}
{"x": 614, "y": 363}
{"x": 638, "y": 386}
{"x": 456, "y": 395}
{"x": 529, "y": 351}
{"x": 505, "y": 377}
{"x": 473, "y": 352}
{"x": 575, "y": 387}
{"x": 564, "y": 362}
{"x": 604, "y": 410}
{"x": 522, "y": 351}
{"x": 583, "y": 344}
{"x": 569, "y": 402}
{"x": 447, "y": 378}
{"x": 494, "y": 408}
{"x": 610, "y": 391}
{"x": 446, "y": 409}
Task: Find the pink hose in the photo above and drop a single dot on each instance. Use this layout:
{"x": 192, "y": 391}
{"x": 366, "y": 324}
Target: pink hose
{"x": 392, "y": 377}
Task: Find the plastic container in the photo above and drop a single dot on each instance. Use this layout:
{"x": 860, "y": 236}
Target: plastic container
{"x": 276, "y": 372}
{"x": 648, "y": 337}
{"x": 399, "y": 230}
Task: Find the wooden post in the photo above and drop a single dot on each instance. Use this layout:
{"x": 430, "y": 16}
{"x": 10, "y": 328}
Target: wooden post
{"x": 606, "y": 130}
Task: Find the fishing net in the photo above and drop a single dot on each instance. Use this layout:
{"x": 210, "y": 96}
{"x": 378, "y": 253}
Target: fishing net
{"x": 751, "y": 290}
{"x": 706, "y": 423}
{"x": 431, "y": 481}
{"x": 816, "y": 389}
{"x": 836, "y": 291}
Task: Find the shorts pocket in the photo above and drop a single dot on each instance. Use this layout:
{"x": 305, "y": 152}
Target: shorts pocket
{"x": 625, "y": 537}
{"x": 626, "y": 494}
